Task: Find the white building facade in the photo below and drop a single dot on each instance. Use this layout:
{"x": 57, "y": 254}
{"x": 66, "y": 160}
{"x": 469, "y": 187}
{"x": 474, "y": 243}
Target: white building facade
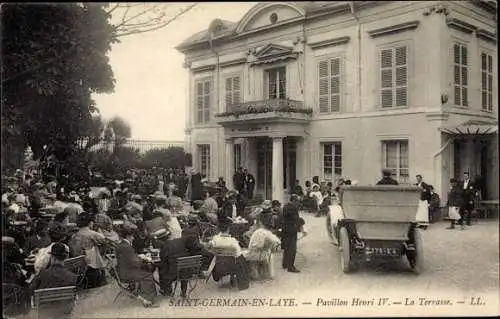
{"x": 345, "y": 89}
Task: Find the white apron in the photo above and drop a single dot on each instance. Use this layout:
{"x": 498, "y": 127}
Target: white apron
{"x": 453, "y": 212}
{"x": 336, "y": 214}
{"x": 422, "y": 212}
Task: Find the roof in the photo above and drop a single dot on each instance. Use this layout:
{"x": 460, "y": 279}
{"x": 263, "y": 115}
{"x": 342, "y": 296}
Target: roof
{"x": 472, "y": 127}
{"x": 229, "y": 27}
{"x": 202, "y": 36}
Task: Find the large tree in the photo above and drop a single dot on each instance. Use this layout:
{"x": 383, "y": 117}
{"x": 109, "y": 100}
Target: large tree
{"x": 54, "y": 58}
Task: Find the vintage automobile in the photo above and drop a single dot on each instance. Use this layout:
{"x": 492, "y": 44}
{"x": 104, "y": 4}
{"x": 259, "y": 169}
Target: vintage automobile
{"x": 377, "y": 222}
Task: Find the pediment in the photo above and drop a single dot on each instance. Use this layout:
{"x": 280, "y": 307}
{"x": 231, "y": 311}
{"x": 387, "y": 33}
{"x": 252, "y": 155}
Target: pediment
{"x": 272, "y": 50}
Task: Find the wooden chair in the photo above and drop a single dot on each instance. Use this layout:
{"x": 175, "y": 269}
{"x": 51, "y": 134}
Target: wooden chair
{"x": 226, "y": 261}
{"x": 188, "y": 269}
{"x": 78, "y": 266}
{"x": 49, "y": 296}
{"x": 128, "y": 288}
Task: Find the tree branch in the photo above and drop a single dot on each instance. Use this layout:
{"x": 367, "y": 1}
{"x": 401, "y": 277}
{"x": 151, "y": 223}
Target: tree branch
{"x": 159, "y": 26}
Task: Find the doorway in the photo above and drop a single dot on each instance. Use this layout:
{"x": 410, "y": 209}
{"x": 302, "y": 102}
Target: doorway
{"x": 265, "y": 166}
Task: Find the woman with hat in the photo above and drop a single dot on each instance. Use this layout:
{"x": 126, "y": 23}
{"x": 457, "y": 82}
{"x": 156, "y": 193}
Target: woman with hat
{"x": 262, "y": 244}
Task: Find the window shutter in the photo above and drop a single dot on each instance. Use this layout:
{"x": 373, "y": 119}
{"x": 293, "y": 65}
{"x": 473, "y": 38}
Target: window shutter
{"x": 228, "y": 97}
{"x": 386, "y": 76}
{"x": 206, "y": 102}
{"x": 199, "y": 102}
{"x": 323, "y": 86}
{"x": 236, "y": 90}
{"x": 401, "y": 76}
{"x": 335, "y": 85}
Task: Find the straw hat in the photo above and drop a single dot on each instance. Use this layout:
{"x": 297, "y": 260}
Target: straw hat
{"x": 266, "y": 204}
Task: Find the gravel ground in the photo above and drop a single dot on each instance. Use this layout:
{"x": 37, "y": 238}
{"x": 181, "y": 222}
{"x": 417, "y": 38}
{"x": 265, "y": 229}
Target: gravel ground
{"x": 460, "y": 264}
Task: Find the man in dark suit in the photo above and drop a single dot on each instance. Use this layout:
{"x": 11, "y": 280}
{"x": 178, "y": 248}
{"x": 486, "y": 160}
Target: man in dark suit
{"x": 387, "y": 178}
{"x": 130, "y": 268}
{"x": 425, "y": 194}
{"x": 290, "y": 227}
{"x": 228, "y": 209}
{"x": 239, "y": 180}
{"x": 249, "y": 183}
{"x": 469, "y": 193}
{"x": 171, "y": 250}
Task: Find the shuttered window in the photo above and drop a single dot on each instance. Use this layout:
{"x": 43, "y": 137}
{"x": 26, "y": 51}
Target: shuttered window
{"x": 233, "y": 91}
{"x": 486, "y": 82}
{"x": 332, "y": 161}
{"x": 460, "y": 75}
{"x": 203, "y": 101}
{"x": 394, "y": 77}
{"x": 204, "y": 159}
{"x": 396, "y": 159}
{"x": 275, "y": 80}
{"x": 329, "y": 77}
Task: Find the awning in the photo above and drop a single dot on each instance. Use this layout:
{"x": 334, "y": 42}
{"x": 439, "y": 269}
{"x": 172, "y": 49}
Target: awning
{"x": 472, "y": 127}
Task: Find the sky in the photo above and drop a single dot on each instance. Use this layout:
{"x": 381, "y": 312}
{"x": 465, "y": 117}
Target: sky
{"x": 151, "y": 84}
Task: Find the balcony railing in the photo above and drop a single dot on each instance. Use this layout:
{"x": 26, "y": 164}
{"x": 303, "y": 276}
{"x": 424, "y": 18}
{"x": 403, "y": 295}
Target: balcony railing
{"x": 266, "y": 106}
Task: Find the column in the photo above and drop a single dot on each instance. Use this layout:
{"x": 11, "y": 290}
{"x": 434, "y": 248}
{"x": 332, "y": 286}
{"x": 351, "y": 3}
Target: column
{"x": 277, "y": 182}
{"x": 229, "y": 160}
{"x": 469, "y": 158}
{"x": 300, "y": 160}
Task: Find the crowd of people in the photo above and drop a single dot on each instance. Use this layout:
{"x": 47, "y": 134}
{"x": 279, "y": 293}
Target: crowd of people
{"x": 46, "y": 221}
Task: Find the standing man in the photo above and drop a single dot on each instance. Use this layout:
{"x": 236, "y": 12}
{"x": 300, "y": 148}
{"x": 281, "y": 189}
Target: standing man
{"x": 423, "y": 208}
{"x": 239, "y": 180}
{"x": 249, "y": 183}
{"x": 292, "y": 224}
{"x": 468, "y": 202}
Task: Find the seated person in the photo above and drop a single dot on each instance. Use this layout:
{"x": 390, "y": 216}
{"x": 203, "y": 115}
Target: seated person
{"x": 191, "y": 234}
{"x": 169, "y": 252}
{"x": 387, "y": 178}
{"x": 262, "y": 244}
{"x": 14, "y": 275}
{"x": 104, "y": 225}
{"x": 61, "y": 218}
{"x": 41, "y": 259}
{"x": 53, "y": 277}
{"x": 40, "y": 238}
{"x": 130, "y": 268}
{"x": 174, "y": 203}
{"x": 224, "y": 244}
{"x": 210, "y": 207}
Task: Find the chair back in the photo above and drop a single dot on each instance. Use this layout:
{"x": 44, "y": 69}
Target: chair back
{"x": 188, "y": 267}
{"x": 52, "y": 300}
{"x": 77, "y": 265}
{"x": 48, "y": 295}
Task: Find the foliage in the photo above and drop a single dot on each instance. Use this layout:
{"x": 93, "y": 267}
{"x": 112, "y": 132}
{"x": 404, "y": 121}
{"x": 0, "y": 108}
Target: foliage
{"x": 54, "y": 58}
{"x": 121, "y": 129}
{"x": 172, "y": 157}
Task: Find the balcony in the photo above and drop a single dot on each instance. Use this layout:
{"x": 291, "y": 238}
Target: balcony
{"x": 266, "y": 111}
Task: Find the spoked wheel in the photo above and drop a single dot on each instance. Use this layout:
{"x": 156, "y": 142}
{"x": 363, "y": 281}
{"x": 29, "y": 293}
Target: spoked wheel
{"x": 416, "y": 257}
{"x": 345, "y": 251}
